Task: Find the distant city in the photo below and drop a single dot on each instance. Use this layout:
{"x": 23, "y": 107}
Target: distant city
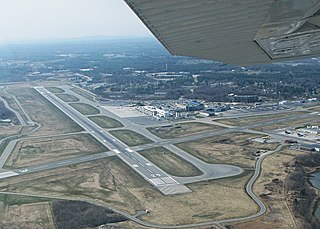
{"x": 101, "y": 133}
{"x": 141, "y": 69}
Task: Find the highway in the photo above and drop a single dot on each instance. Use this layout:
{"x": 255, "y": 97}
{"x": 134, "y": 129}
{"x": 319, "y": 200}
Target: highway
{"x": 151, "y": 173}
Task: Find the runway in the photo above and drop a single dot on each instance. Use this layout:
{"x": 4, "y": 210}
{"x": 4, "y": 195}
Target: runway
{"x": 150, "y": 172}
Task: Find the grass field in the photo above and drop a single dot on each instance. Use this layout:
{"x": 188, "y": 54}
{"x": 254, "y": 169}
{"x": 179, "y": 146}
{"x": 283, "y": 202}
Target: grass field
{"x": 55, "y": 90}
{"x": 111, "y": 181}
{"x": 273, "y": 169}
{"x": 11, "y": 200}
{"x": 85, "y": 109}
{"x": 106, "y": 122}
{"x": 130, "y": 137}
{"x": 68, "y": 98}
{"x": 32, "y": 215}
{"x": 315, "y": 109}
{"x": 84, "y": 94}
{"x": 243, "y": 121}
{"x": 312, "y": 120}
{"x": 43, "y": 150}
{"x": 233, "y": 148}
{"x": 40, "y": 110}
{"x": 181, "y": 129}
{"x": 7, "y": 131}
{"x": 5, "y": 113}
{"x": 170, "y": 162}
{"x": 12, "y": 103}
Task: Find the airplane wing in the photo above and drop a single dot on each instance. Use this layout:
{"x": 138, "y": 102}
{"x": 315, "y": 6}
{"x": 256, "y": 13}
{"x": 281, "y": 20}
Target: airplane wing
{"x": 244, "y": 32}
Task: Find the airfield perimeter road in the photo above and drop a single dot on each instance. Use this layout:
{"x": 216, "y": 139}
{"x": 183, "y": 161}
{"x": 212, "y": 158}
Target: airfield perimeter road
{"x": 151, "y": 173}
{"x": 122, "y": 151}
{"x": 22, "y": 122}
{"x": 216, "y": 223}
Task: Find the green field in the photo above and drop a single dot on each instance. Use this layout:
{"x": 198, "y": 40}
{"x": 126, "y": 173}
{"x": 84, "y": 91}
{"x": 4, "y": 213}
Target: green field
{"x": 85, "y": 109}
{"x": 130, "y": 137}
{"x": 55, "y": 90}
{"x": 106, "y": 122}
{"x": 68, "y": 98}
{"x": 11, "y": 200}
{"x": 170, "y": 162}
{"x": 84, "y": 94}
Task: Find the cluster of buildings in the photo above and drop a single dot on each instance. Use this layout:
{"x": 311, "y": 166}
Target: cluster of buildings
{"x": 310, "y": 129}
{"x": 298, "y": 101}
{"x": 182, "y": 108}
{"x": 244, "y": 98}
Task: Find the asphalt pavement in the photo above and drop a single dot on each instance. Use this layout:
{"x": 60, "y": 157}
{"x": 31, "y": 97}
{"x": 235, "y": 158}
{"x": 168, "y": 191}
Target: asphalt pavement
{"x": 150, "y": 172}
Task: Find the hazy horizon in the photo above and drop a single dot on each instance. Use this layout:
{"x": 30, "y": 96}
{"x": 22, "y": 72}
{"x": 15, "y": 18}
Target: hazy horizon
{"x": 38, "y": 20}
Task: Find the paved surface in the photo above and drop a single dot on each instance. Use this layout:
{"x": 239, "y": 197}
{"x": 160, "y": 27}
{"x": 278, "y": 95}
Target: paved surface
{"x": 153, "y": 174}
{"x": 22, "y": 122}
{"x": 165, "y": 183}
{"x": 63, "y": 163}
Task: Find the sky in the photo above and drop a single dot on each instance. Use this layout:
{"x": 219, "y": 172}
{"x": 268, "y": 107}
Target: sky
{"x": 29, "y": 20}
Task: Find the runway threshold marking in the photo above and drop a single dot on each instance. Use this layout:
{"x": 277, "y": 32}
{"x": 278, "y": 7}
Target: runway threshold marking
{"x": 129, "y": 150}
{"x": 8, "y": 174}
{"x": 116, "y": 151}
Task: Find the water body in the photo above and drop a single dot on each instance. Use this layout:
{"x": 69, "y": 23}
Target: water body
{"x": 315, "y": 181}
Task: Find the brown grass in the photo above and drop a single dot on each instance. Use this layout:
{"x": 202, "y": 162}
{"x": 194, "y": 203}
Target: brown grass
{"x": 40, "y": 110}
{"x": 114, "y": 183}
{"x": 130, "y": 137}
{"x": 256, "y": 119}
{"x": 7, "y": 131}
{"x": 232, "y": 148}
{"x": 43, "y": 150}
{"x": 35, "y": 216}
{"x": 314, "y": 120}
{"x": 170, "y": 162}
{"x": 182, "y": 129}
{"x": 273, "y": 168}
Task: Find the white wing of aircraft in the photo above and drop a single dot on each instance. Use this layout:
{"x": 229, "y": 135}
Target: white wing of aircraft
{"x": 244, "y": 32}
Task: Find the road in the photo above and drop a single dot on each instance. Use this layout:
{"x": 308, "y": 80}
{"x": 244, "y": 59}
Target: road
{"x": 165, "y": 183}
{"x": 22, "y": 122}
{"x": 217, "y": 223}
{"x": 150, "y": 172}
{"x": 63, "y": 163}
